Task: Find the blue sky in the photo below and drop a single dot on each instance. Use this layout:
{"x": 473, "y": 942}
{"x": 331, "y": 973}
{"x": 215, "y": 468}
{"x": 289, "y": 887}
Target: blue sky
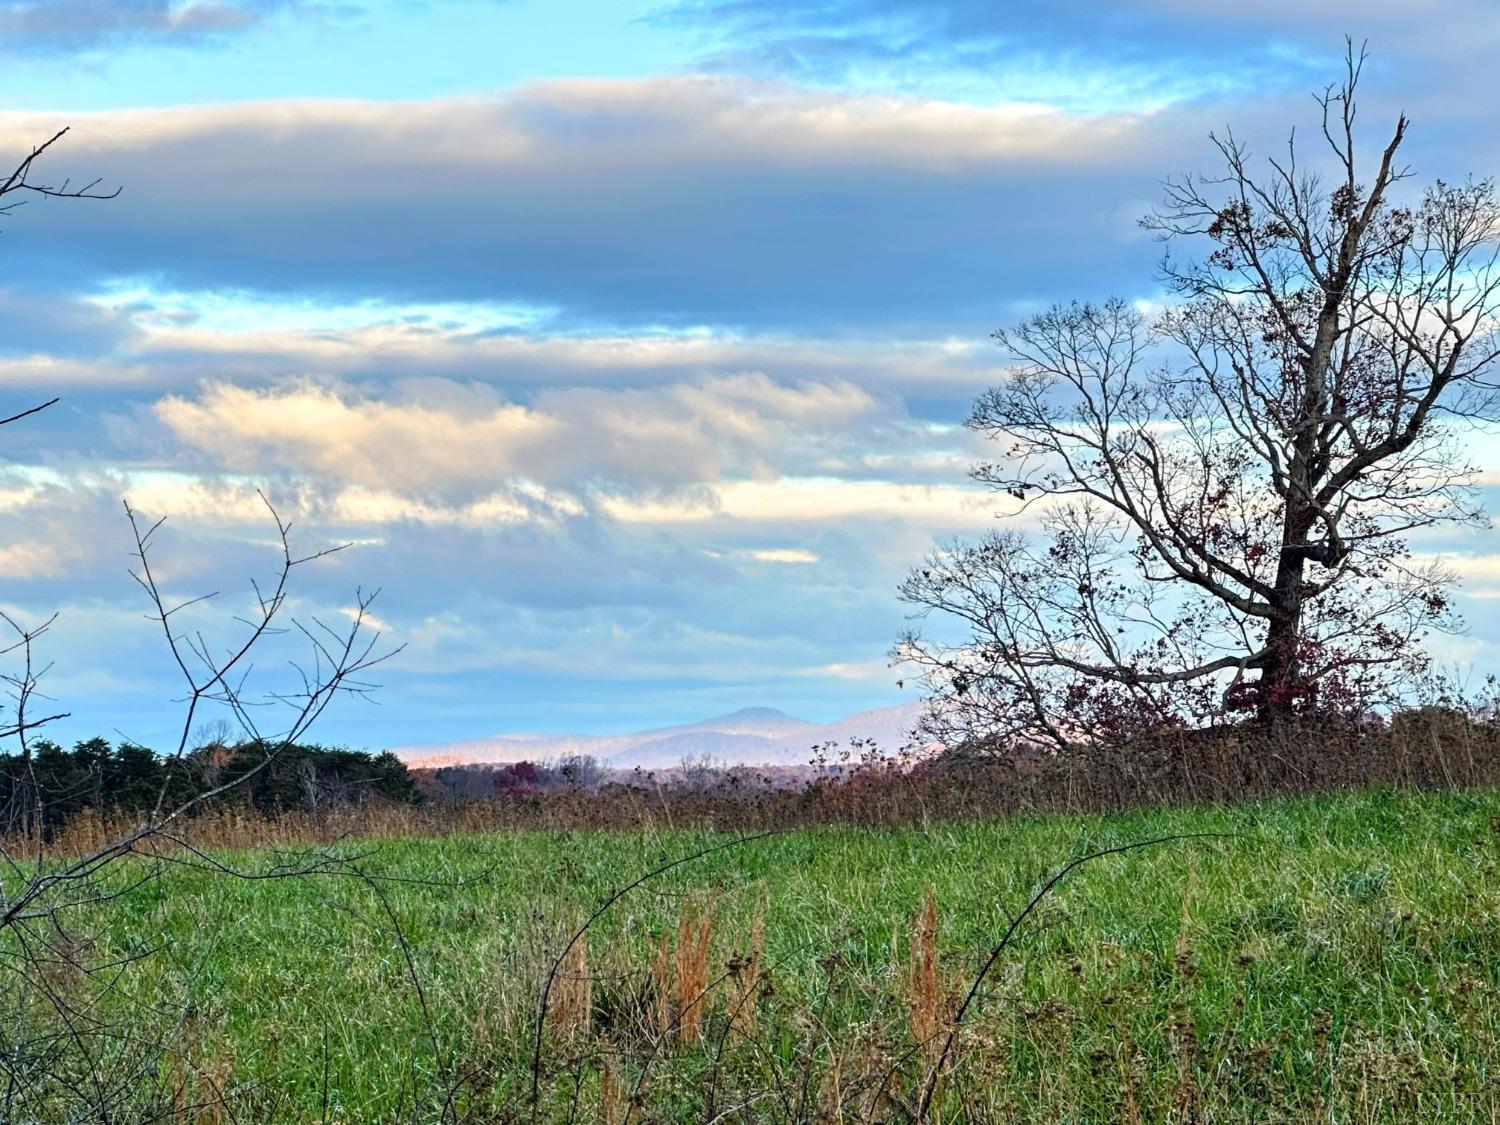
{"x": 627, "y": 342}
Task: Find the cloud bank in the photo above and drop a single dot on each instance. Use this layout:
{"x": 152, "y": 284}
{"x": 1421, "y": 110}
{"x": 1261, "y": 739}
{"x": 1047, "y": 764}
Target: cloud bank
{"x": 636, "y": 396}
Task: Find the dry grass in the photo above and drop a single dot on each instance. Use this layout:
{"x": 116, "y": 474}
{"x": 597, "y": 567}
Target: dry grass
{"x": 614, "y": 1106}
{"x": 663, "y": 986}
{"x": 925, "y": 1002}
{"x": 572, "y": 998}
{"x": 1428, "y": 748}
{"x": 694, "y": 935}
{"x": 200, "y": 1084}
{"x": 745, "y": 973}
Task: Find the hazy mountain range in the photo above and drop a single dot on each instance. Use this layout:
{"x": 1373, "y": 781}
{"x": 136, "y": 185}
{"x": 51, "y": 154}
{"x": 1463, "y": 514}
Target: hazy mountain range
{"x": 755, "y": 736}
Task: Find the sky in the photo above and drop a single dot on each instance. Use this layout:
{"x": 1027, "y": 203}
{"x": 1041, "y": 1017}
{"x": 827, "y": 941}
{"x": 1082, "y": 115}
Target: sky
{"x": 627, "y": 342}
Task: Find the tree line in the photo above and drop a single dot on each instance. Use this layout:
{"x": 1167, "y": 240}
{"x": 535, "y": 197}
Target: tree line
{"x": 47, "y": 786}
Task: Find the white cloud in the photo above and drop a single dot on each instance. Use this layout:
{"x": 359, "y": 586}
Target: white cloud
{"x": 29, "y": 560}
{"x": 464, "y": 440}
{"x": 731, "y": 116}
{"x": 257, "y": 342}
{"x": 1469, "y": 567}
{"x": 788, "y": 556}
{"x": 62, "y": 372}
{"x": 817, "y": 501}
{"x": 877, "y": 671}
{"x": 630, "y": 119}
{"x": 220, "y": 502}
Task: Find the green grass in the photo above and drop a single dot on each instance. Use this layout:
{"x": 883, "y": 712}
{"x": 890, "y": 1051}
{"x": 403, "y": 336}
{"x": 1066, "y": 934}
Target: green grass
{"x": 1333, "y": 959}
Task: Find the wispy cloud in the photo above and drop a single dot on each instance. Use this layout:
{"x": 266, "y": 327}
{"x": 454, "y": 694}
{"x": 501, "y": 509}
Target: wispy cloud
{"x": 1132, "y": 54}
{"x": 68, "y": 26}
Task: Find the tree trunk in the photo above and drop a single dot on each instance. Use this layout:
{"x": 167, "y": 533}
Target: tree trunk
{"x": 1281, "y": 686}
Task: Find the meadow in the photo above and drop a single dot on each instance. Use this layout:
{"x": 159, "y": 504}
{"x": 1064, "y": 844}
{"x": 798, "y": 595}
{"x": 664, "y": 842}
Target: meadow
{"x": 1324, "y": 958}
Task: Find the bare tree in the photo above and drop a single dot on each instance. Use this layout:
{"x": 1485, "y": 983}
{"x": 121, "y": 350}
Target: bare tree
{"x": 19, "y": 184}
{"x": 64, "y": 1052}
{"x": 577, "y": 771}
{"x": 699, "y": 772}
{"x": 1223, "y": 491}
{"x": 51, "y": 890}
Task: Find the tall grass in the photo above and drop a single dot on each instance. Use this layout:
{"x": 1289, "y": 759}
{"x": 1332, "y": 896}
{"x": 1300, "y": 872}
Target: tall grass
{"x": 1336, "y": 958}
{"x": 1429, "y": 748}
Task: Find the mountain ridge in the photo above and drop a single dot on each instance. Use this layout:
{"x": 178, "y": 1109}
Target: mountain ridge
{"x": 751, "y": 736}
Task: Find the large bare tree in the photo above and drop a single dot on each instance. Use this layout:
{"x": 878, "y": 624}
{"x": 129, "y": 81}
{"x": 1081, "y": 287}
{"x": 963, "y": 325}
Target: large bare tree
{"x": 1219, "y": 495}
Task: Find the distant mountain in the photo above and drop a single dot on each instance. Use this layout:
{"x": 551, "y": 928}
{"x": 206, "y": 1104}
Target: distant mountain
{"x": 763, "y": 722}
{"x": 755, "y": 736}
{"x": 717, "y": 746}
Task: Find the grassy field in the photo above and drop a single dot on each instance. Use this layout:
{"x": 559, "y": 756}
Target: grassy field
{"x": 1329, "y": 959}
